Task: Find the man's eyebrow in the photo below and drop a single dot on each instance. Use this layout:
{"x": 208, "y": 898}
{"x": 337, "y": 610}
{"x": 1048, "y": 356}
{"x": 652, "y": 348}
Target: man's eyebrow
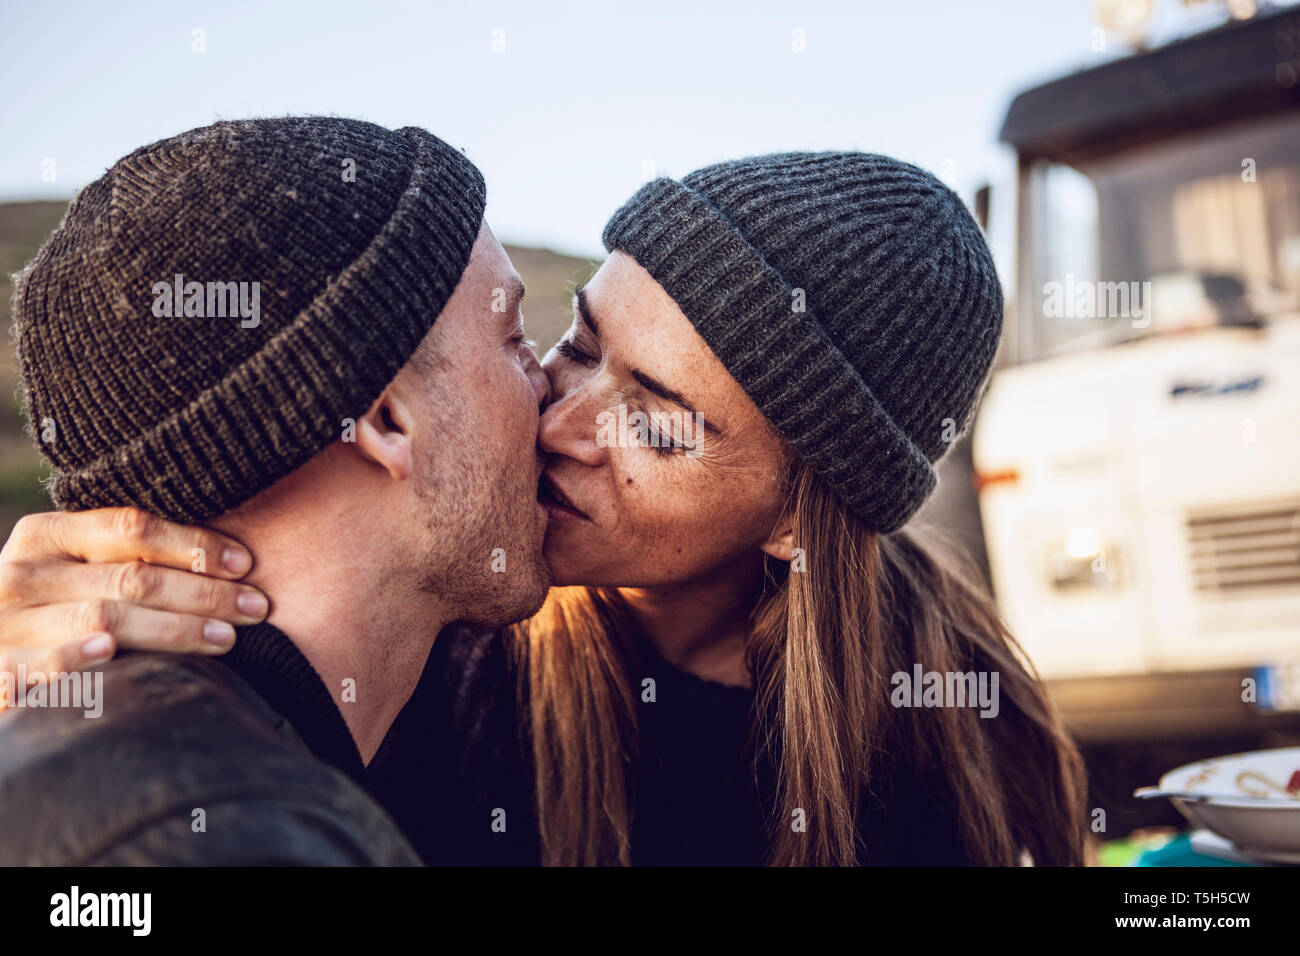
{"x": 514, "y": 290}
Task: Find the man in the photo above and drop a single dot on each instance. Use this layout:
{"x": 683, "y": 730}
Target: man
{"x": 301, "y": 332}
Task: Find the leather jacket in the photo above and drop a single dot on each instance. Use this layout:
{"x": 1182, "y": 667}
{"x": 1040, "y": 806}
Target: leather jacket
{"x": 187, "y": 764}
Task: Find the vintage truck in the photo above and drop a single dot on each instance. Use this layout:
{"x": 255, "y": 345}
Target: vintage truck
{"x": 1137, "y": 462}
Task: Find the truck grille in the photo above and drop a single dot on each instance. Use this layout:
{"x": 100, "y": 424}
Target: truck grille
{"x": 1247, "y": 547}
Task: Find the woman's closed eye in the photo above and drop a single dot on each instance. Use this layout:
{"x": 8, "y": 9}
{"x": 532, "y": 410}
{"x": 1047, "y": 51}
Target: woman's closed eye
{"x": 665, "y": 447}
{"x": 566, "y": 348}
{"x": 667, "y": 434}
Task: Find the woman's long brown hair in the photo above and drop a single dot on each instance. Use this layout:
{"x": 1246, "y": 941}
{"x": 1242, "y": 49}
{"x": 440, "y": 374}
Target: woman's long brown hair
{"x": 828, "y": 634}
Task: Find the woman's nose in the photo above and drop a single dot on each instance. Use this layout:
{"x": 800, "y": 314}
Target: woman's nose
{"x": 568, "y": 427}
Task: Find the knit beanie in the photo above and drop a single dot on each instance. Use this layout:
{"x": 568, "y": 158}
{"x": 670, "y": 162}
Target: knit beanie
{"x": 213, "y": 307}
{"x": 851, "y": 295}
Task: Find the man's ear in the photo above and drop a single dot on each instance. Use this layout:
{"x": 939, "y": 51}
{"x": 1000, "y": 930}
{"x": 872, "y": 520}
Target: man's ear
{"x": 781, "y": 543}
{"x": 383, "y": 433}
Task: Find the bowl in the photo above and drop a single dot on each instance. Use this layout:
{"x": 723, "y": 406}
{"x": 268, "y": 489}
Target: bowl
{"x": 1244, "y": 799}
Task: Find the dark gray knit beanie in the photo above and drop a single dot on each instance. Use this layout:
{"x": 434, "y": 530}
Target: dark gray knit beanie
{"x": 323, "y": 249}
{"x": 852, "y": 296}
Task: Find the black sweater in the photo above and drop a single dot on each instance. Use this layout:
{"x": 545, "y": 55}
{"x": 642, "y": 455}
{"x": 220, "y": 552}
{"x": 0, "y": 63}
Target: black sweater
{"x": 454, "y": 763}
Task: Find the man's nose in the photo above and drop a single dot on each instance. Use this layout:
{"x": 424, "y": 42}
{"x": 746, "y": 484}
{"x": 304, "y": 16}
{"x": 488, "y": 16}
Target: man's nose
{"x": 537, "y": 378}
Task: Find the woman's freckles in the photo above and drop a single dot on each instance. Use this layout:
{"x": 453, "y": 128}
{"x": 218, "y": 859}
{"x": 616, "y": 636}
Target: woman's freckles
{"x": 629, "y": 481}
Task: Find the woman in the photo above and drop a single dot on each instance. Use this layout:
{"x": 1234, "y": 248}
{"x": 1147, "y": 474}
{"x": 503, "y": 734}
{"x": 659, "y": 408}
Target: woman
{"x": 746, "y": 412}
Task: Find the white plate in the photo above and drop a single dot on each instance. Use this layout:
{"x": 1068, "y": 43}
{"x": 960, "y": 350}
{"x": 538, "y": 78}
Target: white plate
{"x": 1240, "y": 804}
{"x": 1205, "y": 843}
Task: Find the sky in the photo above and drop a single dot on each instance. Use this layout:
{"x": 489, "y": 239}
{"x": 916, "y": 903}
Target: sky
{"x": 566, "y": 107}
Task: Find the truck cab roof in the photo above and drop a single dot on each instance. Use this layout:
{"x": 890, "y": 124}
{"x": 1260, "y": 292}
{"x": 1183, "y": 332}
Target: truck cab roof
{"x": 1241, "y": 69}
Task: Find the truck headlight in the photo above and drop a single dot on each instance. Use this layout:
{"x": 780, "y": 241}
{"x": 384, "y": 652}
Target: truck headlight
{"x": 1084, "y": 558}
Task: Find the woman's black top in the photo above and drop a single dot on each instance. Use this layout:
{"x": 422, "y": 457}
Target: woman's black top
{"x": 456, "y": 777}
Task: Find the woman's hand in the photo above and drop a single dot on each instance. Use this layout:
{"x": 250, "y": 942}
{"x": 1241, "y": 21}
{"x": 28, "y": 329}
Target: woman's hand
{"x": 77, "y": 586}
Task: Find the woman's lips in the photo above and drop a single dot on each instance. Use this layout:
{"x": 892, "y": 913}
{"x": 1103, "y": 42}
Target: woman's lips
{"x": 557, "y": 503}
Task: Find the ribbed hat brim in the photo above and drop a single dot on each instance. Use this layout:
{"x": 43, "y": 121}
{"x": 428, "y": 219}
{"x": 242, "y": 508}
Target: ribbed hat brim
{"x": 280, "y": 407}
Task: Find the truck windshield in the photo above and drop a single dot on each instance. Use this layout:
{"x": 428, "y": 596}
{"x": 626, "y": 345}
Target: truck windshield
{"x": 1195, "y": 231}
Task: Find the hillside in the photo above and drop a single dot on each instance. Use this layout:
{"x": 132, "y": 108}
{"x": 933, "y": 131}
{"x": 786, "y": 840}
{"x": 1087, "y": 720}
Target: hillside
{"x": 550, "y": 278}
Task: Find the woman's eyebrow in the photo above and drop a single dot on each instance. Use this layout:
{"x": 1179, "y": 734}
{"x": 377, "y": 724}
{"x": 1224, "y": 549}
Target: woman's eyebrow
{"x": 652, "y": 385}
{"x": 580, "y": 303}
{"x": 657, "y": 387}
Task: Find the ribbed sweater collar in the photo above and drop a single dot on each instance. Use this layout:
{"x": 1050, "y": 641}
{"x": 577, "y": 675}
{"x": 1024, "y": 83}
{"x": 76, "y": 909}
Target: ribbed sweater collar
{"x": 267, "y": 659}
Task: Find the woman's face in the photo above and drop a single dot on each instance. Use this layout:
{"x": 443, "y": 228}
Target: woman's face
{"x": 670, "y": 469}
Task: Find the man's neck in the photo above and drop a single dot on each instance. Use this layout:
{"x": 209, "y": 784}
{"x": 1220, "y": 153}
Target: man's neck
{"x": 367, "y": 641}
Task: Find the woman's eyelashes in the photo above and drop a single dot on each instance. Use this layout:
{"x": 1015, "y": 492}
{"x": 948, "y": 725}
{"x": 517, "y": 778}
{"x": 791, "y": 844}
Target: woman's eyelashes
{"x": 662, "y": 437}
{"x": 668, "y": 450}
{"x": 566, "y": 348}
